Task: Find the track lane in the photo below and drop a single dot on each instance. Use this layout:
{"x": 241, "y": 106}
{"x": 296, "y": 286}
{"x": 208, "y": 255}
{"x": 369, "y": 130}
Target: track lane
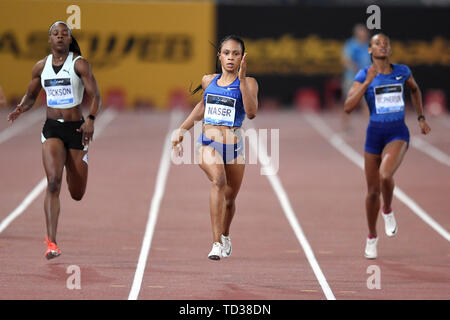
{"x": 412, "y": 262}
{"x": 420, "y": 176}
{"x": 267, "y": 261}
{"x": 21, "y": 167}
{"x": 100, "y": 234}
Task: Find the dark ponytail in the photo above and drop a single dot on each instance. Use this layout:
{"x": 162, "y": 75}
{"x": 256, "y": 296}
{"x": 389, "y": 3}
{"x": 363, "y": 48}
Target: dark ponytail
{"x": 74, "y": 47}
{"x": 218, "y": 49}
{"x": 196, "y": 90}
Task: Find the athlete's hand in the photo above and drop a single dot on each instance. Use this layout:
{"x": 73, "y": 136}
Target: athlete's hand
{"x": 424, "y": 127}
{"x": 87, "y": 130}
{"x": 371, "y": 74}
{"x": 177, "y": 146}
{"x": 15, "y": 114}
{"x": 243, "y": 68}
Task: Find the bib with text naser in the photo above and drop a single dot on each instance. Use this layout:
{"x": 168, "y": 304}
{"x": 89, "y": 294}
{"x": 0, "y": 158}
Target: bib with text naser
{"x": 389, "y": 98}
{"x": 59, "y": 91}
{"x": 220, "y": 110}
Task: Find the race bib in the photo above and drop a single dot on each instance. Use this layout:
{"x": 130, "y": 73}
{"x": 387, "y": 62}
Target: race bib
{"x": 220, "y": 110}
{"x": 389, "y": 98}
{"x": 59, "y": 92}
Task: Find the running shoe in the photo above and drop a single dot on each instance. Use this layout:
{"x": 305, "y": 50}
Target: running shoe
{"x": 216, "y": 251}
{"x": 390, "y": 225}
{"x": 226, "y": 246}
{"x": 371, "y": 248}
{"x": 52, "y": 249}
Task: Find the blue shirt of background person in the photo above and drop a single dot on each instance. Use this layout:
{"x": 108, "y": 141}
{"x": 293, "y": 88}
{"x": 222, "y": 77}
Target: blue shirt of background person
{"x": 354, "y": 52}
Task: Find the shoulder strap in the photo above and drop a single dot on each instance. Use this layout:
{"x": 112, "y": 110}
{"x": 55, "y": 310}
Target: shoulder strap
{"x": 74, "y": 60}
{"x": 49, "y": 59}
{"x": 47, "y": 64}
{"x": 77, "y": 58}
{"x": 73, "y": 64}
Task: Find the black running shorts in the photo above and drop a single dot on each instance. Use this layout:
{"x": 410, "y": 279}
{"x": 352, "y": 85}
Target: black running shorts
{"x": 65, "y": 131}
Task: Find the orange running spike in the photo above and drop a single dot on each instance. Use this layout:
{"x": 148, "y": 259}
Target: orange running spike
{"x": 52, "y": 249}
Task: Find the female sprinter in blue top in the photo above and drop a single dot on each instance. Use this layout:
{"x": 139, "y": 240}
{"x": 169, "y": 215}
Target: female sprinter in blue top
{"x": 228, "y": 97}
{"x": 382, "y": 85}
{"x": 65, "y": 137}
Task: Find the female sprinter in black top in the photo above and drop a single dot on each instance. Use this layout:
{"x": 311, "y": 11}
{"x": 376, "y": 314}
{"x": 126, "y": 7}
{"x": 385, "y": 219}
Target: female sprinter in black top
{"x": 65, "y": 137}
{"x": 228, "y": 97}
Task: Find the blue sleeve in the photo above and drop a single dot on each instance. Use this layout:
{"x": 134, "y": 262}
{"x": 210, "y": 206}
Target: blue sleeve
{"x": 361, "y": 75}
{"x": 407, "y": 72}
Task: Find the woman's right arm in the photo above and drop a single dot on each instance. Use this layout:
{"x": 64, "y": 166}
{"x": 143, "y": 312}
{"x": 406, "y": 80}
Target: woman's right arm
{"x": 357, "y": 91}
{"x": 355, "y": 95}
{"x": 33, "y": 90}
{"x": 195, "y": 115}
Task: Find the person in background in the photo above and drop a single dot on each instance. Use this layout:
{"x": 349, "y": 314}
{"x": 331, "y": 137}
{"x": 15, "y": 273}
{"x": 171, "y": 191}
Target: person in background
{"x": 354, "y": 58}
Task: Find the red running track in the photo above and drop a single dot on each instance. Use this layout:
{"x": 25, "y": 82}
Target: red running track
{"x": 103, "y": 233}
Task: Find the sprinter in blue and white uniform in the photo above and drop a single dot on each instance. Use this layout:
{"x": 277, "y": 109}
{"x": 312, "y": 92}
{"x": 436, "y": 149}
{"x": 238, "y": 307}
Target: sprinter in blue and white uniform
{"x": 387, "y": 139}
{"x": 228, "y": 97}
{"x": 65, "y": 137}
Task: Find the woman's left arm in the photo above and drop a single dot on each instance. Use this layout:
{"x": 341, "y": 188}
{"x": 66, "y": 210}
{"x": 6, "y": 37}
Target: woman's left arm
{"x": 249, "y": 90}
{"x": 416, "y": 98}
{"x": 83, "y": 68}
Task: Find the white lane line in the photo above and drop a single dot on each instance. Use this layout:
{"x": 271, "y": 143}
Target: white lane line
{"x": 337, "y": 142}
{"x": 163, "y": 171}
{"x": 430, "y": 150}
{"x": 104, "y": 118}
{"x": 290, "y": 215}
{"x": 24, "y": 204}
{"x": 21, "y": 124}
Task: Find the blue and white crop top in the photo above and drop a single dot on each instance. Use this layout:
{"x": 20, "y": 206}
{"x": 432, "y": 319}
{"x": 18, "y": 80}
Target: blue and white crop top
{"x": 384, "y": 95}
{"x": 223, "y": 105}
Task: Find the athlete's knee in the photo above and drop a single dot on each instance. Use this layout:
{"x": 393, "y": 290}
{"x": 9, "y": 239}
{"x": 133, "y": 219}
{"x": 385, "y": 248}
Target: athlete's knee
{"x": 53, "y": 184}
{"x": 385, "y": 176}
{"x": 219, "y": 181}
{"x": 373, "y": 193}
{"x": 77, "y": 196}
{"x": 229, "y": 204}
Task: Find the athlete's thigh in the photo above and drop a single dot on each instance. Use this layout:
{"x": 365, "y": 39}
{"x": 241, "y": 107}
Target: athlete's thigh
{"x": 54, "y": 156}
{"x": 392, "y": 156}
{"x": 76, "y": 168}
{"x": 211, "y": 163}
{"x": 371, "y": 169}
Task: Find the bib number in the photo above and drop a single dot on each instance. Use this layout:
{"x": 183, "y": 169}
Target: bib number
{"x": 59, "y": 92}
{"x": 220, "y": 110}
{"x": 389, "y": 98}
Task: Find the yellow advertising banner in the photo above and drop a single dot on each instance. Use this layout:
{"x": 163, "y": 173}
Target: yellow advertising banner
{"x": 314, "y": 55}
{"x": 141, "y": 52}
